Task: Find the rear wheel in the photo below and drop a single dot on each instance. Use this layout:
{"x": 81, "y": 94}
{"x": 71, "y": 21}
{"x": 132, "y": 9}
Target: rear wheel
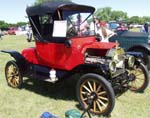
{"x": 140, "y": 78}
{"x": 13, "y": 74}
{"x": 95, "y": 94}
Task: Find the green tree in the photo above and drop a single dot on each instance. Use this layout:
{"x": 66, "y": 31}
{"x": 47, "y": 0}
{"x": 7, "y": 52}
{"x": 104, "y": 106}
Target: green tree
{"x": 3, "y": 25}
{"x": 146, "y": 19}
{"x": 104, "y": 13}
{"x": 134, "y": 19}
{"x": 119, "y": 15}
{"x": 21, "y": 23}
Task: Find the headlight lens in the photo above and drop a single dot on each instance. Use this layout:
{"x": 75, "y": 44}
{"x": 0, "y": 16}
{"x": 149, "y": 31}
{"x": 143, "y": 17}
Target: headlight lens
{"x": 131, "y": 61}
{"x": 112, "y": 67}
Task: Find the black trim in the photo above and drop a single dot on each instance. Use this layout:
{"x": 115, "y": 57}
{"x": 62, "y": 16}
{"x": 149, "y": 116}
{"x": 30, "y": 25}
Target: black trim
{"x": 53, "y": 39}
{"x": 52, "y": 7}
{"x": 16, "y": 55}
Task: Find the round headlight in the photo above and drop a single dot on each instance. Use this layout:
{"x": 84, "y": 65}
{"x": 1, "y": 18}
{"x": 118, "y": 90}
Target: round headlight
{"x": 112, "y": 67}
{"x": 131, "y": 61}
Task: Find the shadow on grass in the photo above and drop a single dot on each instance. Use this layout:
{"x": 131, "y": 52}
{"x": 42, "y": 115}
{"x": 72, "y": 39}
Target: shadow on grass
{"x": 64, "y": 89}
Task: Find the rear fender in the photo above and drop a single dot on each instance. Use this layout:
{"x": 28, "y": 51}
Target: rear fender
{"x": 20, "y": 60}
{"x": 16, "y": 55}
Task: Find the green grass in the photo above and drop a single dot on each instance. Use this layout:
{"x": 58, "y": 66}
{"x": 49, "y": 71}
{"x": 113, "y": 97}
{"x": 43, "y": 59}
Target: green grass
{"x": 33, "y": 99}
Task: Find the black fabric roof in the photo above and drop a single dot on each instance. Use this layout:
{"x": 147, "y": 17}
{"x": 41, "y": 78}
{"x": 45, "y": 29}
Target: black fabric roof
{"x": 51, "y": 7}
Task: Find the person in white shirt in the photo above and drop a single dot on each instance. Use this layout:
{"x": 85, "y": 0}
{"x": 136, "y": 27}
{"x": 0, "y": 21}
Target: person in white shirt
{"x": 104, "y": 32}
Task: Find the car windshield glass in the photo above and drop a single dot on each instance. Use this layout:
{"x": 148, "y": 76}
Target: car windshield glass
{"x": 78, "y": 24}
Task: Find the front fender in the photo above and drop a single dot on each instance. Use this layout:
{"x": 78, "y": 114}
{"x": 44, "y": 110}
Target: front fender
{"x": 93, "y": 68}
{"x": 144, "y": 47}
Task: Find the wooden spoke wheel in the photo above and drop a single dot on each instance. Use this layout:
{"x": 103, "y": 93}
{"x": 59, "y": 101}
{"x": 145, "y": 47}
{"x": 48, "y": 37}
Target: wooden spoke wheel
{"x": 13, "y": 74}
{"x": 139, "y": 78}
{"x": 95, "y": 94}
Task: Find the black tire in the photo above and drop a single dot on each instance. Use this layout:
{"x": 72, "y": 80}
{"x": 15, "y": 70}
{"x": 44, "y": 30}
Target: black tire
{"x": 141, "y": 78}
{"x": 13, "y": 74}
{"x": 90, "y": 85}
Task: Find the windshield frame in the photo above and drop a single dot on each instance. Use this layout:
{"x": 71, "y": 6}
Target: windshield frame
{"x": 66, "y": 15}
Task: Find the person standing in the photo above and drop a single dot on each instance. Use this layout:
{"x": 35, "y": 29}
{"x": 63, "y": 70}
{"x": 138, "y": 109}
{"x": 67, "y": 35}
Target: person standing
{"x": 81, "y": 26}
{"x": 104, "y": 32}
{"x": 121, "y": 27}
{"x": 29, "y": 33}
{"x": 95, "y": 25}
{"x": 146, "y": 27}
{"x": 0, "y": 34}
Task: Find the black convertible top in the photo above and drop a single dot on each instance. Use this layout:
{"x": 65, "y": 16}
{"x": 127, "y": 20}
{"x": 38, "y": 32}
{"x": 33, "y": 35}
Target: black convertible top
{"x": 51, "y": 7}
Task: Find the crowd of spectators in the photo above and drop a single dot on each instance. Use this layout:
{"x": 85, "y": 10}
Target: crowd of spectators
{"x": 95, "y": 27}
{"x": 100, "y": 27}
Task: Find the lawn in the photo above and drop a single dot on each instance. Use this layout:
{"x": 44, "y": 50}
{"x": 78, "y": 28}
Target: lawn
{"x": 35, "y": 97}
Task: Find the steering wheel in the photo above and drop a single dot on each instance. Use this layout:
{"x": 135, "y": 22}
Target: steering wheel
{"x": 72, "y": 31}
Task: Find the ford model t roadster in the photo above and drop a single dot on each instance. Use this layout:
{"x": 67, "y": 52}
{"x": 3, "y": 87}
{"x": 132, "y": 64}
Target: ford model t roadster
{"x": 61, "y": 50}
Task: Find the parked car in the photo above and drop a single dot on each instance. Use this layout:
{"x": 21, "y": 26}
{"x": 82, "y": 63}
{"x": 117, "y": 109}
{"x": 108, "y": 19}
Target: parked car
{"x": 12, "y": 30}
{"x": 135, "y": 25}
{"x": 117, "y": 25}
{"x": 113, "y": 25}
{"x": 134, "y": 41}
{"x": 61, "y": 51}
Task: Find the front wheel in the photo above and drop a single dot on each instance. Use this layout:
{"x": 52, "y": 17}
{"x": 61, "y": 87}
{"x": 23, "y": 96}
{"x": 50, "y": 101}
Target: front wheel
{"x": 140, "y": 78}
{"x": 13, "y": 74}
{"x": 95, "y": 94}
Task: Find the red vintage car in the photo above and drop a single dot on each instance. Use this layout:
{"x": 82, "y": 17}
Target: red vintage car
{"x": 62, "y": 50}
{"x": 12, "y": 30}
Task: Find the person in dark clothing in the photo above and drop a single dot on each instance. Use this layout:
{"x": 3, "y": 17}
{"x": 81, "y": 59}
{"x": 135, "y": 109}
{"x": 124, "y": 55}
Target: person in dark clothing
{"x": 146, "y": 27}
{"x": 0, "y": 34}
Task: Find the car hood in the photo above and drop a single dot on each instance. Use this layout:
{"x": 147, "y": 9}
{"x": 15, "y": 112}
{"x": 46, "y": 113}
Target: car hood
{"x": 82, "y": 44}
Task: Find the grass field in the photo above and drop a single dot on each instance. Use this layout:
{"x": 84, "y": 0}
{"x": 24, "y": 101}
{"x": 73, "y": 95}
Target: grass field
{"x": 33, "y": 99}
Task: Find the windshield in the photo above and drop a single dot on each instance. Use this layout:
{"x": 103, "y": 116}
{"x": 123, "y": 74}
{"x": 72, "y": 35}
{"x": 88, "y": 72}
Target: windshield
{"x": 78, "y": 24}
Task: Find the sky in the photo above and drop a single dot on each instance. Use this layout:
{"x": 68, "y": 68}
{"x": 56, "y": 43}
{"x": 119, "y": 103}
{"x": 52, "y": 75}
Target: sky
{"x": 13, "y": 11}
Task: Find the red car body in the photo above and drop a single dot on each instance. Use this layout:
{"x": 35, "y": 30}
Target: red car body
{"x": 48, "y": 54}
{"x": 61, "y": 52}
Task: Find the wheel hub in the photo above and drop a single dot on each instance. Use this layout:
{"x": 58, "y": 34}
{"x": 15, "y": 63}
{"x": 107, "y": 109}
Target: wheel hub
{"x": 94, "y": 96}
{"x": 132, "y": 77}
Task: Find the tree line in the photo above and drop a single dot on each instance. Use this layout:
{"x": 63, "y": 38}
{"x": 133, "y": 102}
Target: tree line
{"x": 5, "y": 26}
{"x": 106, "y": 14}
